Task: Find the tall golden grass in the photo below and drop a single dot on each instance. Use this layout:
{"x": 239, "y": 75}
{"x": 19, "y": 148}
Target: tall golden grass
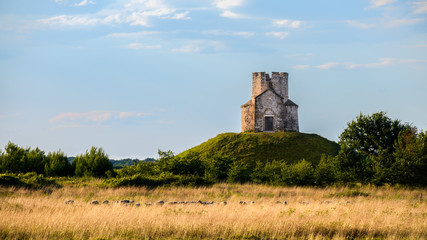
{"x": 335, "y": 212}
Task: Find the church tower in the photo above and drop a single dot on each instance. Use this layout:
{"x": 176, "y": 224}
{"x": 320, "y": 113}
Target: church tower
{"x": 270, "y": 109}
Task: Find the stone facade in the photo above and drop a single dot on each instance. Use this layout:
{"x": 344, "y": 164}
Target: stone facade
{"x": 270, "y": 109}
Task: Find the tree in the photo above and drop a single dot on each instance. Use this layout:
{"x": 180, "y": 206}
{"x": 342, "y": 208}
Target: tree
{"x": 373, "y": 134}
{"x": 301, "y": 173}
{"x": 367, "y": 145}
{"x": 93, "y": 163}
{"x": 14, "y": 159}
{"x": 410, "y": 165}
{"x": 57, "y": 164}
{"x": 326, "y": 171}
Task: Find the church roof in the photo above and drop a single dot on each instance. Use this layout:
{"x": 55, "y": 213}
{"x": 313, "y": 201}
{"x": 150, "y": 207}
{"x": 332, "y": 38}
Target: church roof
{"x": 290, "y": 103}
{"x": 269, "y": 90}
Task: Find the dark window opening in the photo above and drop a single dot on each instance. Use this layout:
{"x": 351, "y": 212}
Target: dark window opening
{"x": 268, "y": 123}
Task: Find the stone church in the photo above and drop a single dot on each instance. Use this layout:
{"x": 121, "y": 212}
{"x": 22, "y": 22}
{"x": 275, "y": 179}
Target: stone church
{"x": 270, "y": 109}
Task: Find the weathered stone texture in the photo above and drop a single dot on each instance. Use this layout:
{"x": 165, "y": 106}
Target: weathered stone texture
{"x": 269, "y": 100}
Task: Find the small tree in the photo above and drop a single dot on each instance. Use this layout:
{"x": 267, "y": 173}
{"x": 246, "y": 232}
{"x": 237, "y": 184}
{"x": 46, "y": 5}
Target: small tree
{"x": 93, "y": 163}
{"x": 326, "y": 171}
{"x": 301, "y": 173}
{"x": 238, "y": 173}
{"x": 57, "y": 164}
{"x": 14, "y": 159}
{"x": 410, "y": 166}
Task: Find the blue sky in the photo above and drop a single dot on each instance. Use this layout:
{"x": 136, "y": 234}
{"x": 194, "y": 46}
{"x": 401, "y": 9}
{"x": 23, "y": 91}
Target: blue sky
{"x": 135, "y": 76}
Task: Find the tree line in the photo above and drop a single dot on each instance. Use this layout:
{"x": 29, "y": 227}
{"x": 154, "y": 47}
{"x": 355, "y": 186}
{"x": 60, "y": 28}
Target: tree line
{"x": 17, "y": 159}
{"x": 374, "y": 149}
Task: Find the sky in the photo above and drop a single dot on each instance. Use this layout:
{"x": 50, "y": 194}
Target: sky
{"x": 135, "y": 76}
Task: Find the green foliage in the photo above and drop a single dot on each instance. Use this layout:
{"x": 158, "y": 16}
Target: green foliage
{"x": 14, "y": 159}
{"x": 27, "y": 180}
{"x": 270, "y": 172}
{"x": 410, "y": 165}
{"x": 217, "y": 168}
{"x": 93, "y": 163}
{"x": 239, "y": 173}
{"x": 301, "y": 173}
{"x": 249, "y": 147}
{"x": 164, "y": 179}
{"x": 22, "y": 160}
{"x": 376, "y": 149}
{"x": 372, "y": 135}
{"x": 57, "y": 164}
{"x": 373, "y": 149}
{"x": 326, "y": 172}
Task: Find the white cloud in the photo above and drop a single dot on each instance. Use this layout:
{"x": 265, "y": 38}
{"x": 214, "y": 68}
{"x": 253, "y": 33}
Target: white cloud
{"x": 64, "y": 20}
{"x": 386, "y": 23}
{"x": 420, "y": 7}
{"x": 132, "y": 114}
{"x": 301, "y": 67}
{"x": 134, "y": 34}
{"x": 1, "y": 116}
{"x": 383, "y": 62}
{"x": 226, "y": 4}
{"x": 288, "y": 23}
{"x": 138, "y": 46}
{"x": 243, "y": 34}
{"x": 84, "y": 3}
{"x": 402, "y": 22}
{"x": 230, "y": 14}
{"x": 357, "y": 24}
{"x": 132, "y": 12}
{"x": 200, "y": 46}
{"x": 179, "y": 16}
{"x": 380, "y": 3}
{"x": 95, "y": 116}
{"x": 280, "y": 35}
{"x": 228, "y": 33}
{"x": 328, "y": 65}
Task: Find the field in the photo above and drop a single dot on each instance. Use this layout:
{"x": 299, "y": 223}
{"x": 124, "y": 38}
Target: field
{"x": 310, "y": 213}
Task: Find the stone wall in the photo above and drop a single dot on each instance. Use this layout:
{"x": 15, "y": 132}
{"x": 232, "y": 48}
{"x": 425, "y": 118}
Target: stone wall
{"x": 268, "y": 104}
{"x": 248, "y": 116}
{"x": 291, "y": 118}
{"x": 269, "y": 98}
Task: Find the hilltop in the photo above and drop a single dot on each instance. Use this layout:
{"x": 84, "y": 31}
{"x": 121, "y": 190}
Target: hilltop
{"x": 251, "y": 147}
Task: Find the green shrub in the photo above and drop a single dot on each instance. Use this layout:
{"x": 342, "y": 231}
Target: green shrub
{"x": 27, "y": 180}
{"x": 326, "y": 172}
{"x": 301, "y": 173}
{"x": 93, "y": 163}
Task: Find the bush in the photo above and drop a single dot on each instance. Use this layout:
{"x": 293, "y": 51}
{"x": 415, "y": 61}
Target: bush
{"x": 326, "y": 172}
{"x": 27, "y": 180}
{"x": 57, "y": 164}
{"x": 238, "y": 173}
{"x": 165, "y": 179}
{"x": 93, "y": 163}
{"x": 301, "y": 173}
{"x": 270, "y": 172}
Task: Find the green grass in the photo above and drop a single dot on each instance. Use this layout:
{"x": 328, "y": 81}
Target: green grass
{"x": 251, "y": 147}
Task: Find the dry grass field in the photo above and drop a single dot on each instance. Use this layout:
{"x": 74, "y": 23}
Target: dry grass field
{"x": 310, "y": 213}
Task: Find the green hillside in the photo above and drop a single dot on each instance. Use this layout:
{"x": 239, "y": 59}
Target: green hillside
{"x": 251, "y": 147}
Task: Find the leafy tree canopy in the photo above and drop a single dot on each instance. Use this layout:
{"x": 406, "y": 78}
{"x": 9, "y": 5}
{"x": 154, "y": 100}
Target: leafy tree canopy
{"x": 372, "y": 134}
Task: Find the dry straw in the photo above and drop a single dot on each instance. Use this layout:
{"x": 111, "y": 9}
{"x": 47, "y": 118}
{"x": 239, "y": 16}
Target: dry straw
{"x": 310, "y": 213}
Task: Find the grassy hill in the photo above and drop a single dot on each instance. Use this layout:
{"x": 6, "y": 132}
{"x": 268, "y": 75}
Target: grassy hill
{"x": 251, "y": 147}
